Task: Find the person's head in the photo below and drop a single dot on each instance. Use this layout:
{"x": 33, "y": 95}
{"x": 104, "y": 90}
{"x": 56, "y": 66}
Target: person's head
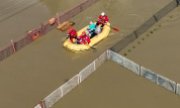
{"x": 102, "y": 13}
{"x": 90, "y": 22}
{"x": 70, "y": 29}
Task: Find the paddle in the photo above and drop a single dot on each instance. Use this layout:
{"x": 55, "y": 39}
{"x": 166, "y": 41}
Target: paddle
{"x": 93, "y": 48}
{"x": 113, "y": 28}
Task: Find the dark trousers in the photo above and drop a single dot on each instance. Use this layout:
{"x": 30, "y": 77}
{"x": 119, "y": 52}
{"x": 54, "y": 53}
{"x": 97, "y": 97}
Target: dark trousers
{"x": 178, "y": 2}
{"x": 102, "y": 24}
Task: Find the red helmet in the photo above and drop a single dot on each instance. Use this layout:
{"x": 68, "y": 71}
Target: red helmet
{"x": 71, "y": 29}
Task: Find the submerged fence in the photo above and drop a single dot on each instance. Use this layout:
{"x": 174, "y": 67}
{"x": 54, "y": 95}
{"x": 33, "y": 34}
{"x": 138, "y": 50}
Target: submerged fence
{"x": 140, "y": 70}
{"x": 57, "y": 94}
{"x": 32, "y": 35}
{"x": 145, "y": 26}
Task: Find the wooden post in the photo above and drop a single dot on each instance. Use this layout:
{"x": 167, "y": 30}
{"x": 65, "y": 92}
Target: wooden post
{"x": 12, "y": 43}
{"x": 57, "y": 18}
{"x": 42, "y": 104}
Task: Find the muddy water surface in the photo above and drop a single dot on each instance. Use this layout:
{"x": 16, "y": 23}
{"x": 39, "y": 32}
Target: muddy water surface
{"x": 112, "y": 86}
{"x": 36, "y": 70}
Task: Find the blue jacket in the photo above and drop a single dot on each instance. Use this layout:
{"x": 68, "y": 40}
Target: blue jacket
{"x": 92, "y": 27}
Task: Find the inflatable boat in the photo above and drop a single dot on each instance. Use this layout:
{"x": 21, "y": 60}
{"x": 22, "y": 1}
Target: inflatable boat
{"x": 96, "y": 39}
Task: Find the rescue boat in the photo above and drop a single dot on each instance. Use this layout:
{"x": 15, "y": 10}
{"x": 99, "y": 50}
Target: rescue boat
{"x": 96, "y": 39}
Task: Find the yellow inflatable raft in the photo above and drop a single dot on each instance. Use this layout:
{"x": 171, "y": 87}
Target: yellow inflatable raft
{"x": 81, "y": 47}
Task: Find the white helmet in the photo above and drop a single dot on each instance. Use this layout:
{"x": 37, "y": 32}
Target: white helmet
{"x": 102, "y": 13}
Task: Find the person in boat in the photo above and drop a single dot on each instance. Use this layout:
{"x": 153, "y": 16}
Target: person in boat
{"x": 98, "y": 30}
{"x": 72, "y": 34}
{"x": 102, "y": 19}
{"x": 91, "y": 29}
{"x": 83, "y": 39}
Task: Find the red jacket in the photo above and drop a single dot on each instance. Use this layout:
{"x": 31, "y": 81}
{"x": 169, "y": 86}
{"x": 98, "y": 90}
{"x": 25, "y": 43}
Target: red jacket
{"x": 72, "y": 33}
{"x": 84, "y": 39}
{"x": 103, "y": 19}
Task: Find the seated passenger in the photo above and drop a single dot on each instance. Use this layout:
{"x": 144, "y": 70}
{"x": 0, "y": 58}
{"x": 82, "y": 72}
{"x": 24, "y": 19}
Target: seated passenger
{"x": 98, "y": 29}
{"x": 102, "y": 19}
{"x": 83, "y": 39}
{"x": 72, "y": 34}
{"x": 91, "y": 29}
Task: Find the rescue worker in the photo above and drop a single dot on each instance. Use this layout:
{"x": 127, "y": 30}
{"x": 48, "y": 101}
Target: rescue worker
{"x": 91, "y": 29}
{"x": 102, "y": 19}
{"x": 83, "y": 39}
{"x": 72, "y": 34}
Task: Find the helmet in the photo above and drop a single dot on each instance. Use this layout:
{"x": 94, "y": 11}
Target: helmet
{"x": 102, "y": 13}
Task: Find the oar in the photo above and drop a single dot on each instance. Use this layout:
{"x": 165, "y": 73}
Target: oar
{"x": 93, "y": 48}
{"x": 90, "y": 46}
{"x": 64, "y": 39}
{"x": 114, "y": 28}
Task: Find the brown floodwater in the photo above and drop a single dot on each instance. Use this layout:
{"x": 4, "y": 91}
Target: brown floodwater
{"x": 112, "y": 86}
{"x": 19, "y": 16}
{"x": 35, "y": 71}
{"x": 158, "y": 48}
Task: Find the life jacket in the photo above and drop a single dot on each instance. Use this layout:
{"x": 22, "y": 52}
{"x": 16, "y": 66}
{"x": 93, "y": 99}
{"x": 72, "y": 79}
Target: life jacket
{"x": 83, "y": 39}
{"x": 72, "y": 33}
{"x": 87, "y": 39}
{"x": 103, "y": 19}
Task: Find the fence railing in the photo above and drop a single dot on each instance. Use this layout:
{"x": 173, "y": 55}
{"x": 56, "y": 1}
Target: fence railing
{"x": 57, "y": 94}
{"x": 144, "y": 27}
{"x": 137, "y": 69}
{"x": 144, "y": 72}
{"x": 42, "y": 29}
